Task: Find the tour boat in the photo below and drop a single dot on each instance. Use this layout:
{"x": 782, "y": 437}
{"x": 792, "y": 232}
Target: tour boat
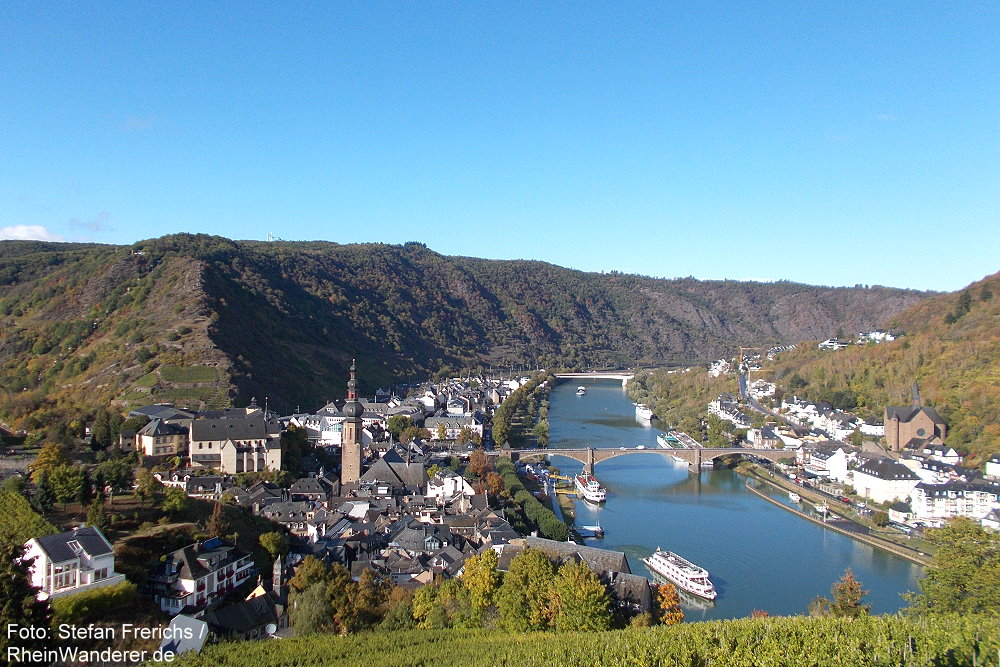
{"x": 581, "y": 390}
{"x": 682, "y": 573}
{"x": 642, "y": 412}
{"x": 588, "y": 487}
{"x": 794, "y": 497}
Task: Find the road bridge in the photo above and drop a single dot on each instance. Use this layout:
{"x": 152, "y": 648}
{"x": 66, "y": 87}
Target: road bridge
{"x": 693, "y": 456}
{"x": 624, "y": 376}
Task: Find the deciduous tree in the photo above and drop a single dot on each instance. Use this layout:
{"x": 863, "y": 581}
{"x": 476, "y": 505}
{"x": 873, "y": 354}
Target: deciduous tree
{"x": 668, "y": 603}
{"x": 963, "y": 576}
{"x": 579, "y": 599}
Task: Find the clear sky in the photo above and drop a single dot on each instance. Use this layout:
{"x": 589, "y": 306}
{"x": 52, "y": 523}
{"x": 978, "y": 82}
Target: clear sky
{"x": 833, "y": 143}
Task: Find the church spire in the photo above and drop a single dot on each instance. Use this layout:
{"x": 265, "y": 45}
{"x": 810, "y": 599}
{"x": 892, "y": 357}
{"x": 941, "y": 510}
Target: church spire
{"x": 916, "y": 402}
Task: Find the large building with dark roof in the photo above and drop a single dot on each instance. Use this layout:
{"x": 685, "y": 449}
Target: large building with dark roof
{"x": 903, "y": 424}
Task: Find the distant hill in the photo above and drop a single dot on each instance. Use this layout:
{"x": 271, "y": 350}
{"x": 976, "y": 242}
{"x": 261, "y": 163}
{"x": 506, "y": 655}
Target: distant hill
{"x": 951, "y": 348}
{"x": 205, "y": 320}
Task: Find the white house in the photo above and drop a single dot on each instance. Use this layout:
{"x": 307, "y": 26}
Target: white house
{"x": 71, "y": 562}
{"x": 446, "y": 486}
{"x": 993, "y": 466}
{"x": 884, "y": 480}
{"x": 198, "y": 575}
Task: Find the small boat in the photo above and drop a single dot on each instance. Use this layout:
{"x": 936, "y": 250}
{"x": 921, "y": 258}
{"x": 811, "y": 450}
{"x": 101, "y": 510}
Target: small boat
{"x": 682, "y": 573}
{"x": 794, "y": 497}
{"x": 822, "y": 508}
{"x": 590, "y": 531}
{"x": 642, "y": 412}
{"x": 589, "y": 488}
{"x": 581, "y": 391}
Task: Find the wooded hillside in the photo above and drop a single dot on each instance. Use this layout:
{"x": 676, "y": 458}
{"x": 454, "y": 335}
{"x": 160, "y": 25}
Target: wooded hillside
{"x": 205, "y": 320}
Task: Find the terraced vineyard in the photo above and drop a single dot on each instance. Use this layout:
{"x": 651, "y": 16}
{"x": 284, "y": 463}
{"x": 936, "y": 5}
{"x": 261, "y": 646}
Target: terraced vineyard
{"x": 798, "y": 641}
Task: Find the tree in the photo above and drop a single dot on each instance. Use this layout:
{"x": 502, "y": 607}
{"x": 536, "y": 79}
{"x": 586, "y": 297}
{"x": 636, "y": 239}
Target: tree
{"x": 857, "y": 438}
{"x": 494, "y": 483}
{"x": 464, "y": 436}
{"x": 412, "y": 433}
{"x": 396, "y": 424}
{"x": 668, "y": 603}
{"x": 174, "y": 501}
{"x": 541, "y": 433}
{"x": 309, "y": 572}
{"x": 96, "y": 516}
{"x": 311, "y": 612}
{"x": 880, "y": 518}
{"x": 964, "y": 574}
{"x": 117, "y": 475}
{"x": 441, "y": 432}
{"x": 66, "y": 481}
{"x": 18, "y": 602}
{"x": 846, "y": 603}
{"x": 579, "y": 599}
{"x": 275, "y": 543}
{"x": 217, "y": 524}
{"x": 146, "y": 485}
{"x": 50, "y": 457}
{"x": 44, "y": 498}
{"x": 481, "y": 579}
{"x": 479, "y": 463}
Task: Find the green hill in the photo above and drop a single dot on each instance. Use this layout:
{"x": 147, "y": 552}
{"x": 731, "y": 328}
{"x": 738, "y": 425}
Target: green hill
{"x": 951, "y": 348}
{"x": 204, "y": 320}
{"x": 768, "y": 642}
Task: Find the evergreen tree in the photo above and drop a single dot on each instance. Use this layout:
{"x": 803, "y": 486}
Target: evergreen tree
{"x": 217, "y": 524}
{"x": 19, "y": 605}
{"x": 96, "y": 516}
{"x": 44, "y": 498}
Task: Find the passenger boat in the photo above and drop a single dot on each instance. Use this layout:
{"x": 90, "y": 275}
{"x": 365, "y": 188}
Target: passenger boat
{"x": 588, "y": 487}
{"x": 581, "y": 390}
{"x": 642, "y": 412}
{"x": 682, "y": 573}
{"x": 794, "y": 497}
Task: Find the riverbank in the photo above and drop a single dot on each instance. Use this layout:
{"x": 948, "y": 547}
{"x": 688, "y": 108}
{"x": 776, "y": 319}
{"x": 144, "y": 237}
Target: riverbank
{"x": 911, "y": 555}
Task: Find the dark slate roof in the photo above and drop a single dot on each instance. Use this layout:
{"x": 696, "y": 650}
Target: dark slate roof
{"x": 249, "y": 427}
{"x": 392, "y": 469}
{"x": 599, "y": 560}
{"x": 242, "y": 617}
{"x": 158, "y": 427}
{"x": 163, "y": 411}
{"x": 887, "y": 469}
{"x": 90, "y": 539}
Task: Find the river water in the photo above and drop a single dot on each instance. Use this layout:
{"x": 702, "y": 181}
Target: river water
{"x": 759, "y": 556}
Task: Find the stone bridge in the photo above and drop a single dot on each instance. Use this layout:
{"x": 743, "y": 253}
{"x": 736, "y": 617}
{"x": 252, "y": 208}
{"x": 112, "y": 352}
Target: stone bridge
{"x": 590, "y": 457}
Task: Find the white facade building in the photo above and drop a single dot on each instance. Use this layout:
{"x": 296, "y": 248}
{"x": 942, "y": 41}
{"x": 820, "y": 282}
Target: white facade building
{"x": 71, "y": 562}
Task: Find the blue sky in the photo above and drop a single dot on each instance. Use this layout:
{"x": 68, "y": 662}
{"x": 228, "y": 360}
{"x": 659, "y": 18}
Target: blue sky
{"x": 834, "y": 143}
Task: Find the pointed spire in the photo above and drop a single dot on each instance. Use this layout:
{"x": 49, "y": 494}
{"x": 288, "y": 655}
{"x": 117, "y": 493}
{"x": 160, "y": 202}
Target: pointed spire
{"x": 916, "y": 396}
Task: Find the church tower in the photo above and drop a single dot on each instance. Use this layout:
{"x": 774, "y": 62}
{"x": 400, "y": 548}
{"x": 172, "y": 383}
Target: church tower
{"x": 350, "y": 442}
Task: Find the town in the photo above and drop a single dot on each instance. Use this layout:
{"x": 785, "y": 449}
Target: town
{"x": 401, "y": 490}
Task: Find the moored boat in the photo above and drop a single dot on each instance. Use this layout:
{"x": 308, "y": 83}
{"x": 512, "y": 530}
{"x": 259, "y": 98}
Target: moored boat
{"x": 589, "y": 488}
{"x": 642, "y": 412}
{"x": 581, "y": 390}
{"x": 794, "y": 497}
{"x": 682, "y": 573}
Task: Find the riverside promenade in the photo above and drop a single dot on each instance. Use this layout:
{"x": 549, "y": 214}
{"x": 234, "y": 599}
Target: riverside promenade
{"x": 842, "y": 524}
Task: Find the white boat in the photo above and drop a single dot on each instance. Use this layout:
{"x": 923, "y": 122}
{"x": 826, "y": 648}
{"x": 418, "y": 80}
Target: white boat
{"x": 588, "y": 487}
{"x": 581, "y": 390}
{"x": 822, "y": 508}
{"x": 794, "y": 497}
{"x": 642, "y": 412}
{"x": 682, "y": 573}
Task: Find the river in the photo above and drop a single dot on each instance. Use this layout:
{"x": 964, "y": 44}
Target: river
{"x": 759, "y": 556}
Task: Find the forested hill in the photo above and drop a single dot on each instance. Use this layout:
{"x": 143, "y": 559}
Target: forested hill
{"x": 951, "y": 349}
{"x": 83, "y": 324}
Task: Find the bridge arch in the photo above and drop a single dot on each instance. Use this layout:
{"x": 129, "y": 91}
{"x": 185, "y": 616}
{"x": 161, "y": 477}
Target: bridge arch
{"x": 694, "y": 456}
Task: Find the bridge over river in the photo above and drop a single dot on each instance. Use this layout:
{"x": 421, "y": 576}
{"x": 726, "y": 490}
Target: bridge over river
{"x": 624, "y": 376}
{"x": 694, "y": 456}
